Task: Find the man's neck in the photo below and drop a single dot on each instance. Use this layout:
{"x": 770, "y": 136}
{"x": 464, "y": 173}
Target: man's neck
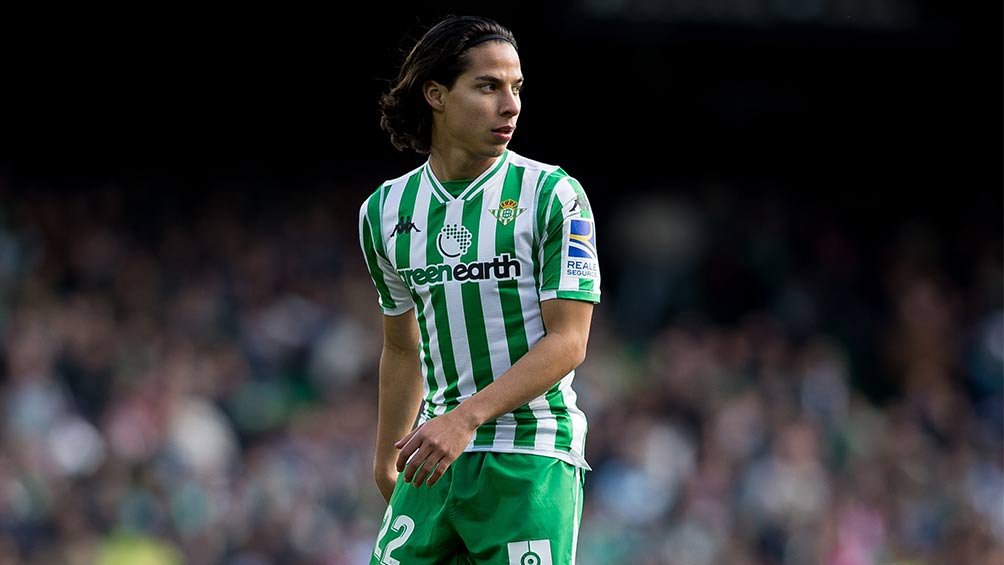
{"x": 457, "y": 165}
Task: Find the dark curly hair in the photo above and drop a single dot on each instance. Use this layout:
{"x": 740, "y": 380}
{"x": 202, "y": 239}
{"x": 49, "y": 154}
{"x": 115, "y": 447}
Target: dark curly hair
{"x": 440, "y": 56}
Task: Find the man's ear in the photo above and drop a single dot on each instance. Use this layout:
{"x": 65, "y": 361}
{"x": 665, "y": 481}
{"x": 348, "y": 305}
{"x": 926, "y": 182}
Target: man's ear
{"x": 435, "y": 94}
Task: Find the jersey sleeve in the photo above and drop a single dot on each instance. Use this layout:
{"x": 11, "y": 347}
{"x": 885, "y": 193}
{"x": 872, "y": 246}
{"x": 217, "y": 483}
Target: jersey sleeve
{"x": 569, "y": 262}
{"x": 393, "y": 296}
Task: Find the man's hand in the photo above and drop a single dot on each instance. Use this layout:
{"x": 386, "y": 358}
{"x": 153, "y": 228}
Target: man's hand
{"x": 428, "y": 450}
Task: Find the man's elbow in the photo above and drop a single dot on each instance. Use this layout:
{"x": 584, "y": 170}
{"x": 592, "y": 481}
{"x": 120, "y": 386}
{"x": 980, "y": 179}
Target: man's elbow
{"x": 577, "y": 350}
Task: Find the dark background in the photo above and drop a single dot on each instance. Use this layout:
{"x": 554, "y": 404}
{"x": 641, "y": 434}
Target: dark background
{"x": 867, "y": 115}
{"x": 892, "y": 115}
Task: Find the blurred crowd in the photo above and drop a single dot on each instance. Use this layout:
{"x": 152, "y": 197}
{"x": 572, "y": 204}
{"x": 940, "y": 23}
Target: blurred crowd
{"x": 192, "y": 379}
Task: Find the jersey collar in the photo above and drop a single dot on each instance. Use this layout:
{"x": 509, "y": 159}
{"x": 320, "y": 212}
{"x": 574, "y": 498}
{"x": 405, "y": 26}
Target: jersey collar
{"x": 476, "y": 186}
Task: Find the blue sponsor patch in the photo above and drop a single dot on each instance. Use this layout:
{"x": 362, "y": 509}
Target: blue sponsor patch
{"x": 581, "y": 240}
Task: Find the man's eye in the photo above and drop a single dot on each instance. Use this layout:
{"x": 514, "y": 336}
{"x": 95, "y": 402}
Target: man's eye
{"x": 488, "y": 87}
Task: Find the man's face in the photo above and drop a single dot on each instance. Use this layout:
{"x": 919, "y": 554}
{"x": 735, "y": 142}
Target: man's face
{"x": 480, "y": 111}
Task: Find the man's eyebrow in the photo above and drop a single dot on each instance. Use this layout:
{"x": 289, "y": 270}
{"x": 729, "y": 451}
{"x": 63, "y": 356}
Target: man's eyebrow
{"x": 494, "y": 79}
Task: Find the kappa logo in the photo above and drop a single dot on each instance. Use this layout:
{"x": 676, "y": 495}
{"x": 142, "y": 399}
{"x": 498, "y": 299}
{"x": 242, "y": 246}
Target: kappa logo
{"x": 507, "y": 211}
{"x": 404, "y": 225}
{"x": 581, "y": 203}
{"x": 536, "y": 552}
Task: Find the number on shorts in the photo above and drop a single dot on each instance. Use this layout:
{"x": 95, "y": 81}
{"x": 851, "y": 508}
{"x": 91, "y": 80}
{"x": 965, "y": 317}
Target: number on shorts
{"x": 403, "y": 524}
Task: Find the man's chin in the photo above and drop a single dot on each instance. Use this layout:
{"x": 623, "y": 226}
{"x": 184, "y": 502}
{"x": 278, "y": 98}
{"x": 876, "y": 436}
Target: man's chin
{"x": 497, "y": 150}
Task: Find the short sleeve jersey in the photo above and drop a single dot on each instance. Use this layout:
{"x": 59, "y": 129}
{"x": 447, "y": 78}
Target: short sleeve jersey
{"x": 474, "y": 268}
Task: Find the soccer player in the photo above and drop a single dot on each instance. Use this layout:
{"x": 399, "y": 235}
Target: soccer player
{"x": 486, "y": 271}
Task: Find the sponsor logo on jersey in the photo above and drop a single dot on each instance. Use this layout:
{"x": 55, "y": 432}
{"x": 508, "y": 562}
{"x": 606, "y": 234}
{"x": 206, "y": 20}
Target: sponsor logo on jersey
{"x": 581, "y": 245}
{"x": 536, "y": 552}
{"x": 501, "y": 267}
{"x": 453, "y": 241}
{"x": 581, "y": 241}
{"x": 507, "y": 211}
{"x": 404, "y": 225}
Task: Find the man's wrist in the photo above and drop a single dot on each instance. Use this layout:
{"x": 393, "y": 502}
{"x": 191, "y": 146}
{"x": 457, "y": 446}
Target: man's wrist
{"x": 469, "y": 413}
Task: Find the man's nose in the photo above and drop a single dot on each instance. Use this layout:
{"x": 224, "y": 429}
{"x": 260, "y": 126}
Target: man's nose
{"x": 510, "y": 104}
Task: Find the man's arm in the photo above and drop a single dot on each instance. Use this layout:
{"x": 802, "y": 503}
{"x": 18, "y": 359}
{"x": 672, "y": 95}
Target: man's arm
{"x": 441, "y": 440}
{"x": 400, "y": 394}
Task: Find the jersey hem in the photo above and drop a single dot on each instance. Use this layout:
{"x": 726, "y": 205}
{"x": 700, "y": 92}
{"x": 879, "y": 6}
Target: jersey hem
{"x": 572, "y": 458}
{"x": 583, "y": 295}
{"x": 396, "y": 311}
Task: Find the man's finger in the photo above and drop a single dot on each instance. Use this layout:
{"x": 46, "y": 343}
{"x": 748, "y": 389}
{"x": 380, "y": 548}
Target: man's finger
{"x": 438, "y": 472}
{"x": 401, "y": 442}
{"x": 428, "y": 468}
{"x": 407, "y": 454}
{"x": 414, "y": 465}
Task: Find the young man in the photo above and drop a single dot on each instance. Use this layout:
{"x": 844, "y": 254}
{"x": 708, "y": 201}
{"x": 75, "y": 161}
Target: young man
{"x": 486, "y": 270}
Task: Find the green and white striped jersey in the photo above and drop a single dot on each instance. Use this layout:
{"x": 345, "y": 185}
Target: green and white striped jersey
{"x": 475, "y": 268}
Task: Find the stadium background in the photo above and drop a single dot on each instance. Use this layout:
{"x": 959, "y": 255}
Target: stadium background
{"x": 798, "y": 357}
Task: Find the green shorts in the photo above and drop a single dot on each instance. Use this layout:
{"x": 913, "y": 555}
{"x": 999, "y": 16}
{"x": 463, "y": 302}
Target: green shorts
{"x": 504, "y": 508}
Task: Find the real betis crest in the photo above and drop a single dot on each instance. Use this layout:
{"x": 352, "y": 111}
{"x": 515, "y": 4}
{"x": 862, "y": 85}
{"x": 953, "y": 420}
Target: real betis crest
{"x": 507, "y": 211}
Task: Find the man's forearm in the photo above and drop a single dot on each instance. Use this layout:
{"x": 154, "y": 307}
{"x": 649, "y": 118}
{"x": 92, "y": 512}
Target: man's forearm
{"x": 399, "y": 400}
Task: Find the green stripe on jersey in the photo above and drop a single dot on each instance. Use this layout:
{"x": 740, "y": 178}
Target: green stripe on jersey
{"x": 544, "y": 200}
{"x": 369, "y": 251}
{"x": 373, "y": 210}
{"x": 406, "y": 209}
{"x": 551, "y": 277}
{"x": 536, "y": 230}
{"x": 556, "y": 400}
{"x": 584, "y": 211}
